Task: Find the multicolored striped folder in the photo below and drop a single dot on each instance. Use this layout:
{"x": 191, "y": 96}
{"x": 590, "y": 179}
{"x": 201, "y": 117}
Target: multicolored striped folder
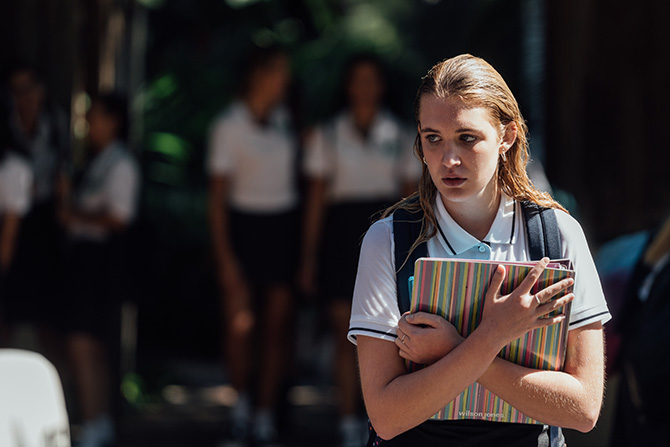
{"x": 455, "y": 289}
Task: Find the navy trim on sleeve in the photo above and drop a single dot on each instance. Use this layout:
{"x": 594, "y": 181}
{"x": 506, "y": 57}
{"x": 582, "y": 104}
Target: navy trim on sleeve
{"x": 374, "y": 331}
{"x": 572, "y": 323}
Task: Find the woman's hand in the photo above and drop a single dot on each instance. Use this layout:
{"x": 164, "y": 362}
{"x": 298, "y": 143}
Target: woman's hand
{"x": 510, "y": 316}
{"x": 425, "y": 338}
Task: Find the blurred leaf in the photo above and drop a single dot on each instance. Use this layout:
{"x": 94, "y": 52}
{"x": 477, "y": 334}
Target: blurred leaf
{"x": 174, "y": 148}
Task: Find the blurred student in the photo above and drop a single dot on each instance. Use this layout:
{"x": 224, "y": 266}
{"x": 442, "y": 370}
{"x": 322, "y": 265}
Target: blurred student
{"x": 357, "y": 163}
{"x": 15, "y": 193}
{"x": 39, "y": 129}
{"x": 645, "y": 340}
{"x": 101, "y": 206}
{"x": 252, "y": 213}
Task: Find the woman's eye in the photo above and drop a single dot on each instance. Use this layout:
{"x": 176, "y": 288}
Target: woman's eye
{"x": 432, "y": 138}
{"x": 468, "y": 138}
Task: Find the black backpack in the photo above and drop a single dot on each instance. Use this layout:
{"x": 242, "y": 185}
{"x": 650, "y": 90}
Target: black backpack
{"x": 541, "y": 226}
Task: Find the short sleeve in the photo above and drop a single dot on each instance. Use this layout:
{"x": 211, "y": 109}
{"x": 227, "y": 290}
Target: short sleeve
{"x": 374, "y": 311}
{"x": 318, "y": 162}
{"x": 17, "y": 186}
{"x": 589, "y": 304}
{"x": 220, "y": 157}
{"x": 122, "y": 190}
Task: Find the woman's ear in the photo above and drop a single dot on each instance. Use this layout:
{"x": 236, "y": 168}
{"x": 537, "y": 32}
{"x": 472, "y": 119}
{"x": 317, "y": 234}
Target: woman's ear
{"x": 508, "y": 137}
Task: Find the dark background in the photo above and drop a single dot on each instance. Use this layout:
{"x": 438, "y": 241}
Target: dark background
{"x": 591, "y": 77}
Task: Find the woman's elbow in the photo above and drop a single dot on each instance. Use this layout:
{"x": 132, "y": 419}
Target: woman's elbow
{"x": 590, "y": 419}
{"x": 586, "y": 419}
{"x": 386, "y": 432}
{"x": 385, "y": 428}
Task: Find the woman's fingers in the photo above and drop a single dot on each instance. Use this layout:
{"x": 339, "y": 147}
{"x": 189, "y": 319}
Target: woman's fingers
{"x": 548, "y": 307}
{"x": 545, "y": 294}
{"x": 551, "y": 306}
{"x": 400, "y": 339}
{"x": 408, "y": 322}
{"x": 532, "y": 277}
{"x": 496, "y": 282}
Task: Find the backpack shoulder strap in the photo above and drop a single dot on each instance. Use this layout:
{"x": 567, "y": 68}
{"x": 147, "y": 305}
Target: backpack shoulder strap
{"x": 406, "y": 230}
{"x": 544, "y": 238}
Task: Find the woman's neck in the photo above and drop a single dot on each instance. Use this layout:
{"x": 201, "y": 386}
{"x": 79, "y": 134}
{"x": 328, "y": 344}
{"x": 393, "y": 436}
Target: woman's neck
{"x": 475, "y": 216}
{"x": 259, "y": 107}
{"x": 363, "y": 116}
{"x": 100, "y": 146}
{"x": 28, "y": 123}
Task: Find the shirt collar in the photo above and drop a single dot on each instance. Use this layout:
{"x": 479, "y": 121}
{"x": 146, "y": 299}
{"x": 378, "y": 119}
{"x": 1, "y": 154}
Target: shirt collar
{"x": 458, "y": 241}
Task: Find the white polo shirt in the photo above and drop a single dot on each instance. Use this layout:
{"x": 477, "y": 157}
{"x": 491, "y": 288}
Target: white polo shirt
{"x": 361, "y": 169}
{"x": 375, "y": 308}
{"x": 258, "y": 160}
{"x": 16, "y": 179}
{"x": 111, "y": 185}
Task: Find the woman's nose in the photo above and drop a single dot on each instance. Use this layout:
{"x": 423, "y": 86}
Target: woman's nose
{"x": 450, "y": 156}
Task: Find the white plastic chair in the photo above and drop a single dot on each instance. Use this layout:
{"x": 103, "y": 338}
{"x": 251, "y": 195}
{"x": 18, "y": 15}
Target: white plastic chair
{"x": 32, "y": 406}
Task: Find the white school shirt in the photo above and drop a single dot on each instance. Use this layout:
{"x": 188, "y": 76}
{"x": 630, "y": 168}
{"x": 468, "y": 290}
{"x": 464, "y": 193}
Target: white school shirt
{"x": 375, "y": 308}
{"x": 258, "y": 160}
{"x": 16, "y": 178}
{"x": 110, "y": 184}
{"x": 362, "y": 169}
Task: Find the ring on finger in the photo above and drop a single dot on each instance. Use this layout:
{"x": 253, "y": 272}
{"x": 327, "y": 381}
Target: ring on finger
{"x": 402, "y": 340}
{"x": 537, "y": 299}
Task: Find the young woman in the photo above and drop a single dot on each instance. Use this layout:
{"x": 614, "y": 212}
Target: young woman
{"x": 39, "y": 129}
{"x": 95, "y": 214}
{"x": 473, "y": 143}
{"x": 16, "y": 178}
{"x": 357, "y": 164}
{"x": 252, "y": 211}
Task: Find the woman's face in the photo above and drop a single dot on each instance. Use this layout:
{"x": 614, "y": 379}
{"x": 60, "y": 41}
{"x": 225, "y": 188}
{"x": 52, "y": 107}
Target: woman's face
{"x": 28, "y": 94}
{"x": 271, "y": 80}
{"x": 366, "y": 86}
{"x": 102, "y": 127}
{"x": 461, "y": 146}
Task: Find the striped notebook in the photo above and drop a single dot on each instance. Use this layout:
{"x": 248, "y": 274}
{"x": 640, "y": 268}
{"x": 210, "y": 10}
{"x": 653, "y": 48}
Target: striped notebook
{"x": 455, "y": 289}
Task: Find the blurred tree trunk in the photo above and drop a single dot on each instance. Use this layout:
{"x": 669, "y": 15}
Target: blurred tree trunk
{"x": 607, "y": 138}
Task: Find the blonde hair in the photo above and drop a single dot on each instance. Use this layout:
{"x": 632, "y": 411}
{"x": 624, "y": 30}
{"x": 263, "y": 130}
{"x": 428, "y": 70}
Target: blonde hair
{"x": 475, "y": 81}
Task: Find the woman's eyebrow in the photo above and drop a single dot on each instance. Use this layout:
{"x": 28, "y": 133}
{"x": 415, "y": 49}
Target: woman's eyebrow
{"x": 461, "y": 130}
{"x": 466, "y": 130}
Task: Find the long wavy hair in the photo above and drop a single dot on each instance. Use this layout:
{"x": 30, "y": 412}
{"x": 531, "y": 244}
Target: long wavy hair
{"x": 474, "y": 81}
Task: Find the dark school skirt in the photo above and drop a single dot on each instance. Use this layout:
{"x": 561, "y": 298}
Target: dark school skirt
{"x": 95, "y": 285}
{"x": 32, "y": 283}
{"x": 266, "y": 245}
{"x": 345, "y": 225}
{"x": 470, "y": 433}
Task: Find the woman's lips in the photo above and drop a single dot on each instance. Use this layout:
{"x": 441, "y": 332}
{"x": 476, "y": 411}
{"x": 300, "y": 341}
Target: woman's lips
{"x": 453, "y": 182}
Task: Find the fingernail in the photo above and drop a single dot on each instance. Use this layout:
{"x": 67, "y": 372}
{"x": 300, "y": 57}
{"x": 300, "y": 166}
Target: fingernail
{"x": 410, "y": 317}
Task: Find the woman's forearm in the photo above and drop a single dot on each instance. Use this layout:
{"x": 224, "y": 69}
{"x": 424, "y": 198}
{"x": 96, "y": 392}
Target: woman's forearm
{"x": 313, "y": 219}
{"x": 9, "y": 230}
{"x": 570, "y": 399}
{"x": 399, "y": 401}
